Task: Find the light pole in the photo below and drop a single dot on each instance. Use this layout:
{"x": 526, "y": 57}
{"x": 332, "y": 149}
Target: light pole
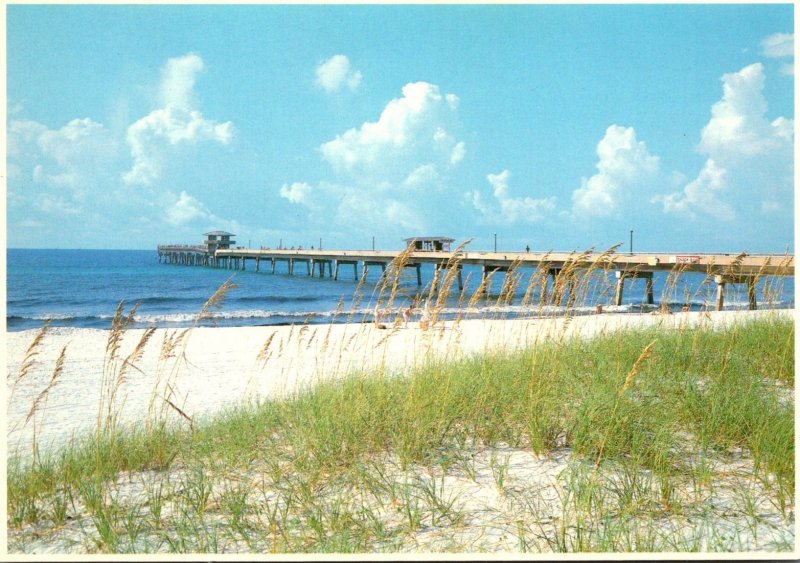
{"x": 495, "y": 242}
{"x": 631, "y": 242}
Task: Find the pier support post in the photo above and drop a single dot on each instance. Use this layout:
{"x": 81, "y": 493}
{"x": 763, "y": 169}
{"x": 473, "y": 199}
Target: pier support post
{"x": 722, "y": 280}
{"x": 418, "y": 267}
{"x": 437, "y": 268}
{"x": 272, "y": 260}
{"x": 257, "y": 260}
{"x": 486, "y": 274}
{"x": 648, "y": 285}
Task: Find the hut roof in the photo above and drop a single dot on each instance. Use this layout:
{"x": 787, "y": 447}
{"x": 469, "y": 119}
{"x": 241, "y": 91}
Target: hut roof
{"x": 219, "y": 234}
{"x": 429, "y": 239}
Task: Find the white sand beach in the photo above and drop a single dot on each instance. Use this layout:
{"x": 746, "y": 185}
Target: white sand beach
{"x": 221, "y": 367}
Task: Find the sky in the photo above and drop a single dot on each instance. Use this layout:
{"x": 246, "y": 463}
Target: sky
{"x": 554, "y": 127}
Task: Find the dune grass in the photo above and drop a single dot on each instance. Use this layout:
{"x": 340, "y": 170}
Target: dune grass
{"x": 653, "y": 423}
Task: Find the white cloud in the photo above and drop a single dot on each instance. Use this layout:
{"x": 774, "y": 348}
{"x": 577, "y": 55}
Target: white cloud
{"x": 392, "y": 174}
{"x": 298, "y": 192}
{"x": 701, "y": 195}
{"x": 778, "y": 45}
{"x": 335, "y": 72}
{"x": 386, "y": 215}
{"x": 57, "y": 205}
{"x": 185, "y": 209}
{"x": 749, "y": 157}
{"x": 177, "y": 81}
{"x": 176, "y": 123}
{"x": 510, "y": 209}
{"x": 22, "y": 134}
{"x": 458, "y": 152}
{"x": 422, "y": 176}
{"x": 738, "y": 126}
{"x": 77, "y": 157}
{"x": 411, "y": 130}
{"x": 624, "y": 165}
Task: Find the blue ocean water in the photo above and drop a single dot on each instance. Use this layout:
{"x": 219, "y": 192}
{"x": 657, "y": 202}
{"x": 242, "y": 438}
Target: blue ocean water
{"x": 82, "y": 288}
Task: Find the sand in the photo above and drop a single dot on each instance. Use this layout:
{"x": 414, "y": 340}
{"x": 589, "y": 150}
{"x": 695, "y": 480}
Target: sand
{"x": 225, "y": 366}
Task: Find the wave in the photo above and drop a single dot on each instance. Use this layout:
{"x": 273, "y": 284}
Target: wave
{"x": 271, "y": 316}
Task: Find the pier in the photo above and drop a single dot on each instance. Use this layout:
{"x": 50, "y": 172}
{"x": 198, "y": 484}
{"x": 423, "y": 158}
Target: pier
{"x": 725, "y": 269}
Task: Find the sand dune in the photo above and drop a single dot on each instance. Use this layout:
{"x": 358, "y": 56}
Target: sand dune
{"x": 222, "y": 367}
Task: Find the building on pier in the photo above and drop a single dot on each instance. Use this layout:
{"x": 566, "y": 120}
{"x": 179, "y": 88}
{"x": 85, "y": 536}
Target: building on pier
{"x": 218, "y": 240}
{"x": 432, "y": 244}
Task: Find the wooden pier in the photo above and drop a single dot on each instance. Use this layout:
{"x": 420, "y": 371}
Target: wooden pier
{"x": 723, "y": 268}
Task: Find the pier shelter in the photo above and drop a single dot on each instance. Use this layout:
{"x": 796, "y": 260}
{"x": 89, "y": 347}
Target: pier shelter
{"x": 218, "y": 240}
{"x": 430, "y": 244}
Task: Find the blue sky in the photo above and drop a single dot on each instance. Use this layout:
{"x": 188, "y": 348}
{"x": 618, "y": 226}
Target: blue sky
{"x": 558, "y": 127}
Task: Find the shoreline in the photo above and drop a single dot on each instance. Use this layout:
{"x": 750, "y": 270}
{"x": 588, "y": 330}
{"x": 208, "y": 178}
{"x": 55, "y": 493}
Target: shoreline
{"x": 226, "y": 366}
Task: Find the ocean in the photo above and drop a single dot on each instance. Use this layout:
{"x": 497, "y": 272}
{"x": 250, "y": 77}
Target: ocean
{"x": 82, "y": 288}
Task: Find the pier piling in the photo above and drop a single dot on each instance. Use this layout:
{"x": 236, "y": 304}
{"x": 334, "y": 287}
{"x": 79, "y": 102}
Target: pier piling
{"x": 560, "y": 267}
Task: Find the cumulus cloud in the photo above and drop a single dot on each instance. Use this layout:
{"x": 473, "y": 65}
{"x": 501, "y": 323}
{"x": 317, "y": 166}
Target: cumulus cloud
{"x": 509, "y": 209}
{"x": 178, "y": 77}
{"x": 412, "y": 130}
{"x": 624, "y": 164}
{"x": 176, "y": 123}
{"x": 738, "y": 126}
{"x": 77, "y": 157}
{"x": 298, "y": 192}
{"x": 749, "y": 156}
{"x": 702, "y": 195}
{"x": 185, "y": 209}
{"x": 335, "y": 73}
{"x": 392, "y": 173}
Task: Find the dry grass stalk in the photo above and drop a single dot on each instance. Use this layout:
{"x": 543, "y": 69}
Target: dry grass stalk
{"x": 30, "y": 354}
{"x": 510, "y": 283}
{"x": 176, "y": 408}
{"x": 129, "y": 362}
{"x": 358, "y": 297}
{"x": 452, "y": 268}
{"x": 481, "y": 290}
{"x": 645, "y": 354}
{"x": 135, "y": 356}
{"x": 265, "y": 352}
{"x": 635, "y": 367}
{"x": 41, "y": 400}
{"x": 42, "y": 396}
{"x": 111, "y": 371}
{"x": 215, "y": 301}
{"x": 389, "y": 288}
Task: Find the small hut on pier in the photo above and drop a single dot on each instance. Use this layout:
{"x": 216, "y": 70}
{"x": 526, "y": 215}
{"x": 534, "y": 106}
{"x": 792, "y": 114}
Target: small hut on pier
{"x": 430, "y": 244}
{"x": 218, "y": 240}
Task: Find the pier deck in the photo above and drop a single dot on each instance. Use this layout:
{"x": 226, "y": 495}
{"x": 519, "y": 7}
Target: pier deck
{"x": 712, "y": 264}
{"x": 724, "y": 268}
